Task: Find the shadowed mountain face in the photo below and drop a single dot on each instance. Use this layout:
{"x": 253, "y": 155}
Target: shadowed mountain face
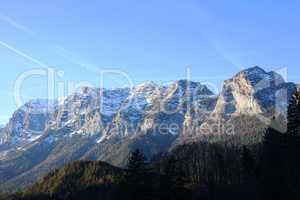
{"x": 100, "y": 124}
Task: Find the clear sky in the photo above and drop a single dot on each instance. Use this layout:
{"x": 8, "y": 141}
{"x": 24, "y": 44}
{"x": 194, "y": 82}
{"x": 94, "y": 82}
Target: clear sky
{"x": 147, "y": 39}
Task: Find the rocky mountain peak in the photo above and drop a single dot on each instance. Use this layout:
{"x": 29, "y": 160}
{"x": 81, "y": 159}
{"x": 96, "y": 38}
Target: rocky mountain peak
{"x": 254, "y": 70}
{"x": 147, "y": 84}
{"x": 253, "y": 91}
{"x": 258, "y": 77}
{"x": 87, "y": 90}
{"x": 187, "y": 86}
{"x": 28, "y": 122}
{"x": 143, "y": 91}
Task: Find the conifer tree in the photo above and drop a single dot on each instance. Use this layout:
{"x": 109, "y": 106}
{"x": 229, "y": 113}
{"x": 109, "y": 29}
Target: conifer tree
{"x": 293, "y": 143}
{"x": 272, "y": 174}
{"x": 136, "y": 178}
{"x": 294, "y": 114}
{"x": 248, "y": 163}
{"x": 136, "y": 161}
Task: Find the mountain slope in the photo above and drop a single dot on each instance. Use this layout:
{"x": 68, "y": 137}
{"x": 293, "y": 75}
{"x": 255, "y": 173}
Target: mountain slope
{"x": 101, "y": 124}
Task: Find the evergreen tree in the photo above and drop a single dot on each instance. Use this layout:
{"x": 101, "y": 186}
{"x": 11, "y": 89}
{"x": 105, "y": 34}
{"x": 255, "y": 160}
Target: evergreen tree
{"x": 248, "y": 164}
{"x": 136, "y": 161}
{"x": 176, "y": 179}
{"x": 273, "y": 181}
{"x": 175, "y": 173}
{"x": 281, "y": 153}
{"x": 294, "y": 114}
{"x": 136, "y": 178}
{"x": 293, "y": 142}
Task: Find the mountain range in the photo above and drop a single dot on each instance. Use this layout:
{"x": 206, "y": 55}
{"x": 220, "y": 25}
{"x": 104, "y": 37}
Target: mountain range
{"x": 103, "y": 124}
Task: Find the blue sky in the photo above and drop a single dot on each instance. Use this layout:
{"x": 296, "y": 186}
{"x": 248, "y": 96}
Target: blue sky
{"x": 148, "y": 40}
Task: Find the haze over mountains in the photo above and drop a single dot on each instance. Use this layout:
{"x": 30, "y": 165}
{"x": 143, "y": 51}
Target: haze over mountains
{"x": 102, "y": 124}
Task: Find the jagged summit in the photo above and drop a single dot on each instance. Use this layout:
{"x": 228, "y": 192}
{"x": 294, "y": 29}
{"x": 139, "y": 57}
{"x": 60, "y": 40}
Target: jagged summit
{"x": 146, "y": 84}
{"x": 193, "y": 86}
{"x": 253, "y": 70}
{"x": 91, "y": 110}
{"x": 254, "y": 91}
{"x": 258, "y": 77}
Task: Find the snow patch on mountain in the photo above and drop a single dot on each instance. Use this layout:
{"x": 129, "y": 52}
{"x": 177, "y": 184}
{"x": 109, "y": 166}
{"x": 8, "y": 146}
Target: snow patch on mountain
{"x": 125, "y": 111}
{"x": 112, "y": 100}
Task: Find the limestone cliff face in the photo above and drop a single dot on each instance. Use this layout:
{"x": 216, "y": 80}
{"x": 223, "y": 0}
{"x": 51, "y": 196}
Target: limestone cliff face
{"x": 176, "y": 109}
{"x": 106, "y": 113}
{"x": 28, "y": 122}
{"x": 253, "y": 92}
